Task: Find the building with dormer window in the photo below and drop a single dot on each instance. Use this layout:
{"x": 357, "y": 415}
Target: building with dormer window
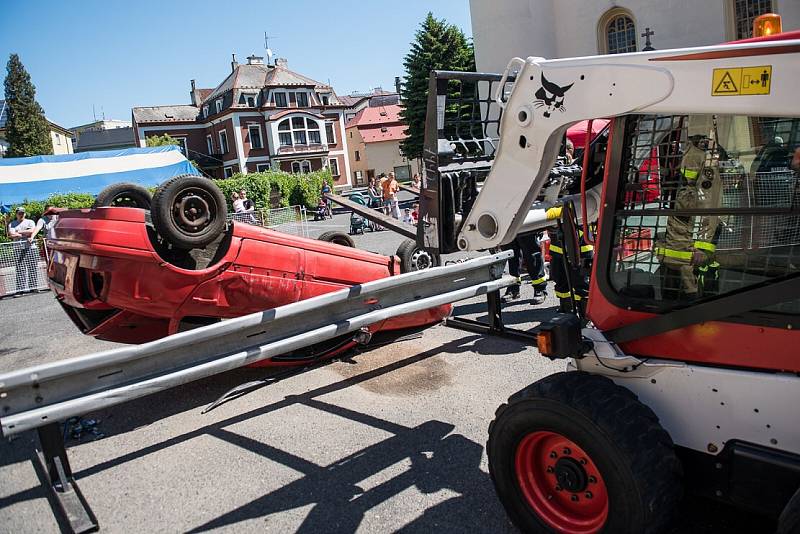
{"x": 260, "y": 117}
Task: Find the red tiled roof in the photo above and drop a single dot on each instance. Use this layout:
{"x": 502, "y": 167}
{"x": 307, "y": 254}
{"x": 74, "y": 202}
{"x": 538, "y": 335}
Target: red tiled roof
{"x": 377, "y": 115}
{"x": 375, "y": 134}
{"x": 203, "y": 93}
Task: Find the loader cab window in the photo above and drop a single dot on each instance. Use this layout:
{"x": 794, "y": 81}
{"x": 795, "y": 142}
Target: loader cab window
{"x": 705, "y": 205}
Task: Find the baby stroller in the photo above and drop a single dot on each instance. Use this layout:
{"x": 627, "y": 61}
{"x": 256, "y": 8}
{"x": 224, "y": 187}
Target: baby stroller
{"x": 358, "y": 223}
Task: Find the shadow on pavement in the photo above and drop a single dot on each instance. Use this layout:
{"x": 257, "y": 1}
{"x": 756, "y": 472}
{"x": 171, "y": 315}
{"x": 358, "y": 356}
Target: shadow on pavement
{"x": 439, "y": 460}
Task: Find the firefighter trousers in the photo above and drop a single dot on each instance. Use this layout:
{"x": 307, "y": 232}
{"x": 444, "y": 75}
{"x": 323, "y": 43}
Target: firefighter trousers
{"x": 526, "y": 247}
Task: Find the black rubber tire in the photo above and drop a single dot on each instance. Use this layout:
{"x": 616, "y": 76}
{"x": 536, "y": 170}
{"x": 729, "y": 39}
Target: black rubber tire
{"x": 413, "y": 258}
{"x": 179, "y": 232}
{"x": 338, "y": 238}
{"x": 789, "y": 521}
{"x": 124, "y": 195}
{"x": 633, "y": 453}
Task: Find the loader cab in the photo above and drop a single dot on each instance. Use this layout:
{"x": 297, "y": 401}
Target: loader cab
{"x": 700, "y": 209}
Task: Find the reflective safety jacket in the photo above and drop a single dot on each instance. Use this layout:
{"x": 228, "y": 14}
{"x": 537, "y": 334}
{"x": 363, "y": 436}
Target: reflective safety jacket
{"x": 701, "y": 188}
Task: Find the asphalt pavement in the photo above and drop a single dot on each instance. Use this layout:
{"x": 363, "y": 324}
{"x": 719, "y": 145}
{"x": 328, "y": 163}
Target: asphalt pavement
{"x": 391, "y": 439}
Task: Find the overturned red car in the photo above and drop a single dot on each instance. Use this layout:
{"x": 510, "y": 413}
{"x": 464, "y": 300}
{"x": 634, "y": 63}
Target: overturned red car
{"x": 122, "y": 274}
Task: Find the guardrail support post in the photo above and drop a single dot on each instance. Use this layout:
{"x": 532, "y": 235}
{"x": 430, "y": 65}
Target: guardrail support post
{"x": 64, "y": 490}
{"x": 495, "y": 326}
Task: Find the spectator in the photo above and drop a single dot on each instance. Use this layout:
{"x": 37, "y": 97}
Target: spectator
{"x": 375, "y": 195}
{"x": 238, "y": 205}
{"x": 407, "y": 218}
{"x": 246, "y": 202}
{"x": 248, "y": 207}
{"x": 322, "y": 207}
{"x": 325, "y": 190}
{"x": 415, "y": 213}
{"x": 416, "y": 182}
{"x": 21, "y": 231}
{"x": 47, "y": 221}
{"x": 384, "y": 186}
{"x": 390, "y": 189}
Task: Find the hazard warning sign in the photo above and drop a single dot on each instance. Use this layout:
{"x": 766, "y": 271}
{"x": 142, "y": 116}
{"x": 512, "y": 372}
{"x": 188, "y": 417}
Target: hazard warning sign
{"x": 742, "y": 81}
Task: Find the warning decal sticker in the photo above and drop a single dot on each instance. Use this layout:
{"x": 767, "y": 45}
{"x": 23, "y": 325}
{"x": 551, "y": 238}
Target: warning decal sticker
{"x": 741, "y": 81}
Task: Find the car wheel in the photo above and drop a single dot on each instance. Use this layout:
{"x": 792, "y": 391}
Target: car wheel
{"x": 413, "y": 258}
{"x": 338, "y": 238}
{"x": 124, "y": 195}
{"x": 574, "y": 452}
{"x": 189, "y": 211}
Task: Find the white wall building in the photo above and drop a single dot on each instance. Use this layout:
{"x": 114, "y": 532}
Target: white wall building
{"x": 503, "y": 29}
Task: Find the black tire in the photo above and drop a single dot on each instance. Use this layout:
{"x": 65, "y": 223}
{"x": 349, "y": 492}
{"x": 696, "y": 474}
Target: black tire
{"x": 338, "y": 238}
{"x": 124, "y": 195}
{"x": 789, "y": 521}
{"x": 189, "y": 211}
{"x": 413, "y": 258}
{"x": 638, "y": 474}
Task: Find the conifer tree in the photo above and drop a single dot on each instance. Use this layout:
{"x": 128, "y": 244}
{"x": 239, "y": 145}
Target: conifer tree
{"x": 437, "y": 46}
{"x": 27, "y": 130}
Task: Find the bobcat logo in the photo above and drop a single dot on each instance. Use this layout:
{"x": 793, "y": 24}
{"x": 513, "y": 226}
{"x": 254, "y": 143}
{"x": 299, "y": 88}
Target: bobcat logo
{"x": 551, "y": 96}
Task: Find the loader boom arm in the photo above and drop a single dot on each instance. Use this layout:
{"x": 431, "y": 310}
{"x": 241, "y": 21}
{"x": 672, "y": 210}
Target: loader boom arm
{"x": 549, "y": 96}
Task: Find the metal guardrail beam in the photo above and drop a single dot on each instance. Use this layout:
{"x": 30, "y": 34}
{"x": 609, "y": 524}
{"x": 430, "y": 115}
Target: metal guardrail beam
{"x": 409, "y": 189}
{"x": 40, "y": 395}
{"x": 404, "y": 229}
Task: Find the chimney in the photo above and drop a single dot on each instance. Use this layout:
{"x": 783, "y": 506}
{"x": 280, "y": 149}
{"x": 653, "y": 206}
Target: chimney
{"x": 234, "y": 64}
{"x": 255, "y": 60}
{"x": 397, "y": 84}
{"x": 282, "y": 62}
{"x": 193, "y": 93}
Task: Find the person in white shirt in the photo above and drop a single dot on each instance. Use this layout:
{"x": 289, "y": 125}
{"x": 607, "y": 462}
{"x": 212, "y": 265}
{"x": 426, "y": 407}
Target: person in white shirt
{"x": 238, "y": 203}
{"x": 21, "y": 231}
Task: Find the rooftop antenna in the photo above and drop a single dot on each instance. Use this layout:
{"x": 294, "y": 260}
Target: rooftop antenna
{"x": 94, "y": 113}
{"x": 267, "y": 48}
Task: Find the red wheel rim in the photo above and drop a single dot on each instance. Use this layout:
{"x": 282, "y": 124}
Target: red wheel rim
{"x": 561, "y": 483}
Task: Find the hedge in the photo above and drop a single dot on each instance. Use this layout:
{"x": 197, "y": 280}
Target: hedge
{"x": 295, "y": 189}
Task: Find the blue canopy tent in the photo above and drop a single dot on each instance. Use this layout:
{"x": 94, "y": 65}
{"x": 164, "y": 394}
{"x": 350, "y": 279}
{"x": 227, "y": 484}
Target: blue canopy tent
{"x": 38, "y": 177}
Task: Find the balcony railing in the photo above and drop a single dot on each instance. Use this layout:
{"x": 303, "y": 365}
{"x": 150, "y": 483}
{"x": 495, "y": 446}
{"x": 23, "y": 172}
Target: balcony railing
{"x": 302, "y": 149}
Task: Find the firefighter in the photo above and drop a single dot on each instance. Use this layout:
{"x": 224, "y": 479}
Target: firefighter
{"x": 527, "y": 246}
{"x": 686, "y": 252}
{"x": 559, "y": 274}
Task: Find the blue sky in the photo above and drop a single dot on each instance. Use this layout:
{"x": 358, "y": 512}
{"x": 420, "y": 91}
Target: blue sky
{"x": 117, "y": 55}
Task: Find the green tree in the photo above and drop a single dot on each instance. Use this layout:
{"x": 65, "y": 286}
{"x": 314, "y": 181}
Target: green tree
{"x": 27, "y": 131}
{"x": 161, "y": 140}
{"x": 437, "y": 46}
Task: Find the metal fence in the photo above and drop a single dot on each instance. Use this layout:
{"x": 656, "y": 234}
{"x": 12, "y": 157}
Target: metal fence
{"x": 292, "y": 220}
{"x": 23, "y": 267}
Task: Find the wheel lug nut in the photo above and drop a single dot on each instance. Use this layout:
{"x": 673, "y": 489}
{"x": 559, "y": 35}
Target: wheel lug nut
{"x": 567, "y": 451}
{"x": 583, "y": 461}
{"x": 549, "y": 497}
{"x": 558, "y": 488}
{"x": 592, "y": 479}
{"x": 549, "y": 469}
{"x": 553, "y": 454}
{"x": 574, "y": 498}
{"x": 588, "y": 495}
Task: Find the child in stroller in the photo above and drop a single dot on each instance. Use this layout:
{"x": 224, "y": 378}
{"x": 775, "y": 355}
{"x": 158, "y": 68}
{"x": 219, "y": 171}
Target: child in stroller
{"x": 358, "y": 223}
{"x": 322, "y": 208}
